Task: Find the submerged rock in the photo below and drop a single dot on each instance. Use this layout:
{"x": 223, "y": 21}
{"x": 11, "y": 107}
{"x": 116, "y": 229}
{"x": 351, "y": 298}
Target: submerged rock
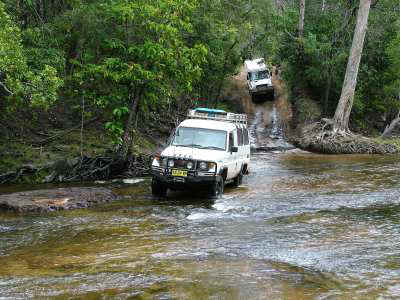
{"x": 56, "y": 199}
{"x": 132, "y": 180}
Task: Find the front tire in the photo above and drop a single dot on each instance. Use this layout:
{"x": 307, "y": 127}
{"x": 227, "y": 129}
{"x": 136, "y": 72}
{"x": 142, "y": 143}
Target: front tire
{"x": 158, "y": 189}
{"x": 217, "y": 189}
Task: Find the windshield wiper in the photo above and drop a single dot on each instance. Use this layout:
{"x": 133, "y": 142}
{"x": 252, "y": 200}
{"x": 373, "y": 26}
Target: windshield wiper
{"x": 213, "y": 147}
{"x": 189, "y": 145}
{"x": 196, "y": 146}
{"x": 199, "y": 146}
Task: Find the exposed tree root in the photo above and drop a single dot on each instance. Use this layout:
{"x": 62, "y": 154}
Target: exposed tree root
{"x": 319, "y": 137}
{"x": 85, "y": 169}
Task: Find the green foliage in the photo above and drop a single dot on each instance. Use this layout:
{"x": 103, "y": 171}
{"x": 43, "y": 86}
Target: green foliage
{"x": 129, "y": 60}
{"x": 134, "y": 60}
{"x": 392, "y": 87}
{"x": 316, "y": 64}
{"x": 307, "y": 111}
{"x": 22, "y": 84}
{"x": 224, "y": 28}
{"x": 144, "y": 59}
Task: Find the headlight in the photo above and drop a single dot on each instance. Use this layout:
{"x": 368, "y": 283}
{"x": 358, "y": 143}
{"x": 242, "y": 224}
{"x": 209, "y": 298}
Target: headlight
{"x": 165, "y": 162}
{"x": 171, "y": 163}
{"x": 203, "y": 166}
{"x": 190, "y": 165}
{"x": 207, "y": 166}
{"x": 212, "y": 167}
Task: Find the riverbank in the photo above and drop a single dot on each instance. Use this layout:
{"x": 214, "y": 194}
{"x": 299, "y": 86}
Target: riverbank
{"x": 302, "y": 125}
{"x": 315, "y": 138}
{"x": 68, "y": 156}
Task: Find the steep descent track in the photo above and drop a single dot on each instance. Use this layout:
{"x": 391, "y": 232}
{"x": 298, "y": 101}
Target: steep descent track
{"x": 266, "y": 129}
{"x": 269, "y": 119}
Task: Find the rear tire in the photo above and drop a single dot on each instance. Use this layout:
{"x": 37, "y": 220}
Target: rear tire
{"x": 158, "y": 189}
{"x": 237, "y": 181}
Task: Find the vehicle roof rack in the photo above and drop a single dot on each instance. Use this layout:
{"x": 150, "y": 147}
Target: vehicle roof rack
{"x": 255, "y": 64}
{"x": 217, "y": 115}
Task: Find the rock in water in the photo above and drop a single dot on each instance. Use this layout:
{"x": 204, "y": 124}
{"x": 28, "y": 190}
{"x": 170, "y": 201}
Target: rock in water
{"x": 56, "y": 199}
{"x": 132, "y": 180}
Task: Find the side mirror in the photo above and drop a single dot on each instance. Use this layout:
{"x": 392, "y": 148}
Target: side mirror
{"x": 234, "y": 149}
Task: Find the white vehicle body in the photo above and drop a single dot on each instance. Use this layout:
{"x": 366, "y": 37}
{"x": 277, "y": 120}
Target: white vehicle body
{"x": 258, "y": 77}
{"x": 207, "y": 150}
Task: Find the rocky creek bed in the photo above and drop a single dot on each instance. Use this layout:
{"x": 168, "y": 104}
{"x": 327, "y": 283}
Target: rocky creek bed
{"x": 48, "y": 200}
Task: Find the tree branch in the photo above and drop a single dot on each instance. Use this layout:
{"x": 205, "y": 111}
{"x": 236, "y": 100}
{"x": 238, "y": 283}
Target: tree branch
{"x": 373, "y": 4}
{"x": 3, "y": 86}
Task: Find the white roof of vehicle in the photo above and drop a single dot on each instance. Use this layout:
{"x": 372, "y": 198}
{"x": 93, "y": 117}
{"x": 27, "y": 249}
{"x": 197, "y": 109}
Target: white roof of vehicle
{"x": 208, "y": 124}
{"x": 255, "y": 64}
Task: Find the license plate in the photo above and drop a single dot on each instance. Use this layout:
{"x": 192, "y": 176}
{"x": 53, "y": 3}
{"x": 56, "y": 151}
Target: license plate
{"x": 179, "y": 173}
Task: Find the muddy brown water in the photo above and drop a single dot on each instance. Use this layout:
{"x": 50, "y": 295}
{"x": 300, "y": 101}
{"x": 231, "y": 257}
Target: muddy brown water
{"x": 302, "y": 226}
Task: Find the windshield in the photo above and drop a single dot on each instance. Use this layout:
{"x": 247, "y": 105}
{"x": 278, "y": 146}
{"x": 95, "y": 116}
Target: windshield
{"x": 200, "y": 138}
{"x": 261, "y": 75}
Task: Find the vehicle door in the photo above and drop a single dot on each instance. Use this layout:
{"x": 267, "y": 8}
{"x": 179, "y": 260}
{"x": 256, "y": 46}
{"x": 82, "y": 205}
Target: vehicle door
{"x": 240, "y": 153}
{"x": 246, "y": 146}
{"x": 232, "y": 156}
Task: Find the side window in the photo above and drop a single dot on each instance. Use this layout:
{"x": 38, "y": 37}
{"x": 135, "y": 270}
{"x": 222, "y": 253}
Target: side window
{"x": 246, "y": 136}
{"x": 231, "y": 142}
{"x": 240, "y": 136}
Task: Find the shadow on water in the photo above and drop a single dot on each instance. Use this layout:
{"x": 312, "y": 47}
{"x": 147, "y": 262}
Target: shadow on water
{"x": 180, "y": 198}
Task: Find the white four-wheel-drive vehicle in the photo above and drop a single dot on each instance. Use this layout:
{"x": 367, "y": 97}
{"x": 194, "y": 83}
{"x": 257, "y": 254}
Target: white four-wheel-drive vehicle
{"x": 259, "y": 79}
{"x": 207, "y": 150}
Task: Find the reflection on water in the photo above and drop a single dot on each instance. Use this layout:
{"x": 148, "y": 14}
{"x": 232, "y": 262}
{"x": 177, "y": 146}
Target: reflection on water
{"x": 302, "y": 226}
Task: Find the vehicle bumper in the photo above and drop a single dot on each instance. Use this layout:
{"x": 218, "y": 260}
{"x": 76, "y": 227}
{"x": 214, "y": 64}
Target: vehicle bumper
{"x": 264, "y": 90}
{"x": 194, "y": 180}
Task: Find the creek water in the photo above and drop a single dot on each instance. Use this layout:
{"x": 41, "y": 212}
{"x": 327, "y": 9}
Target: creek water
{"x": 302, "y": 226}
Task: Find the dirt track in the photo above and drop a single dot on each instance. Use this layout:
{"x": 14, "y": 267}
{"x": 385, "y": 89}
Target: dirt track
{"x": 280, "y": 101}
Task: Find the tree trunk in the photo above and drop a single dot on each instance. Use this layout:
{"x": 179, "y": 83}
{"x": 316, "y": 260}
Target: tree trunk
{"x": 127, "y": 136}
{"x": 342, "y": 114}
{"x": 301, "y": 18}
{"x": 279, "y": 5}
{"x": 327, "y": 92}
{"x": 388, "y": 130}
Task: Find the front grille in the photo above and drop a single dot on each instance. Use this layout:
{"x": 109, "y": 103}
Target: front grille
{"x": 205, "y": 174}
{"x": 262, "y": 87}
{"x": 180, "y": 163}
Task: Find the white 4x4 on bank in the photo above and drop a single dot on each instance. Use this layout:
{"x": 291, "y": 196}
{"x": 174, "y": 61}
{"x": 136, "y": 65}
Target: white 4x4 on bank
{"x": 207, "y": 150}
{"x": 259, "y": 79}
